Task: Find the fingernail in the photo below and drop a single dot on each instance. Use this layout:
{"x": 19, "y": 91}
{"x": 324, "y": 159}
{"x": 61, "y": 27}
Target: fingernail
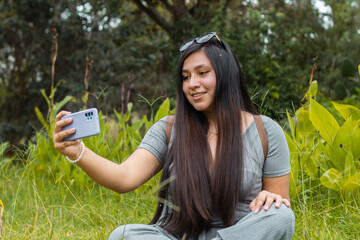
{"x": 277, "y": 205}
{"x": 266, "y": 208}
{"x": 256, "y": 210}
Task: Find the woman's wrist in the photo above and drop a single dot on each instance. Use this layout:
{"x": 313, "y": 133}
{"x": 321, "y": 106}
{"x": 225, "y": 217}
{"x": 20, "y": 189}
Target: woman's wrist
{"x": 79, "y": 156}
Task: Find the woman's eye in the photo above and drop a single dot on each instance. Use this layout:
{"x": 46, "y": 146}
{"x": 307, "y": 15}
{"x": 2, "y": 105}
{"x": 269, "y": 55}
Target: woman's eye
{"x": 203, "y": 72}
{"x": 185, "y": 78}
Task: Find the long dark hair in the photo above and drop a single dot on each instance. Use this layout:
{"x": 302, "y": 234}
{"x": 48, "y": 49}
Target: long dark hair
{"x": 196, "y": 192}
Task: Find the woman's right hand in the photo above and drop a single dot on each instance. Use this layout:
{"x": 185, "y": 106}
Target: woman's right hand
{"x": 71, "y": 149}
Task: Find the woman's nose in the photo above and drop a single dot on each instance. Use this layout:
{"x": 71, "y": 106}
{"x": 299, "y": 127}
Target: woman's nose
{"x": 194, "y": 82}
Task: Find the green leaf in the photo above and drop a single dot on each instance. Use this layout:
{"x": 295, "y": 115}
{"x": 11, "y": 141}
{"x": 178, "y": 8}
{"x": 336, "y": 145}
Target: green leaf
{"x": 323, "y": 121}
{"x": 313, "y": 89}
{"x": 332, "y": 179}
{"x": 346, "y": 140}
{"x": 61, "y": 104}
{"x": 347, "y": 111}
{"x": 342, "y": 142}
{"x": 137, "y": 125}
{"x": 45, "y": 96}
{"x": 310, "y": 166}
{"x": 121, "y": 119}
{"x": 148, "y": 123}
{"x": 322, "y": 157}
{"x": 128, "y": 112}
{"x": 349, "y": 166}
{"x": 163, "y": 110}
{"x": 304, "y": 126}
{"x": 42, "y": 119}
{"x": 352, "y": 184}
{"x": 294, "y": 163}
{"x": 291, "y": 124}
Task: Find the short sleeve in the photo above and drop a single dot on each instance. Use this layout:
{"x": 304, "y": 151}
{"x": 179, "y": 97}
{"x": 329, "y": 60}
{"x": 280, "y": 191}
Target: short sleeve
{"x": 278, "y": 157}
{"x": 155, "y": 140}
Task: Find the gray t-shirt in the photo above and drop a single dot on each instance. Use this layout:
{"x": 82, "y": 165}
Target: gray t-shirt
{"x": 277, "y": 162}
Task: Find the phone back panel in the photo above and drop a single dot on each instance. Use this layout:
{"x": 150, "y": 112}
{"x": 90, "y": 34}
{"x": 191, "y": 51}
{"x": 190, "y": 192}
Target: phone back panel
{"x": 85, "y": 122}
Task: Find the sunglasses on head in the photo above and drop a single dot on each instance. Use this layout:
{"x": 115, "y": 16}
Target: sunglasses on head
{"x": 201, "y": 39}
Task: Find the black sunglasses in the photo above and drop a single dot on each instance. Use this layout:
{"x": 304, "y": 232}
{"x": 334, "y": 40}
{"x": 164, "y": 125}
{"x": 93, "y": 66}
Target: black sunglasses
{"x": 201, "y": 39}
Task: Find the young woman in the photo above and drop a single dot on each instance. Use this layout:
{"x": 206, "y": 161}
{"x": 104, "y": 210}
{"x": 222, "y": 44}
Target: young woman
{"x": 223, "y": 185}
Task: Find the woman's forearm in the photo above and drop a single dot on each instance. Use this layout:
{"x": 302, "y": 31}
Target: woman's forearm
{"x": 105, "y": 172}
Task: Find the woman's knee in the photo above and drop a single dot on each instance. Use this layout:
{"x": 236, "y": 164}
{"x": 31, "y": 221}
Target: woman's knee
{"x": 117, "y": 233}
{"x": 123, "y": 231}
{"x": 139, "y": 232}
{"x": 283, "y": 218}
{"x": 283, "y": 214}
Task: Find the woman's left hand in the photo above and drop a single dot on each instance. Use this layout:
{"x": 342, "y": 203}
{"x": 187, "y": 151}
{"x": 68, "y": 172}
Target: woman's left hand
{"x": 266, "y": 199}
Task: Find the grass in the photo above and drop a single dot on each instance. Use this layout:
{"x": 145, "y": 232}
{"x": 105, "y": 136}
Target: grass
{"x": 37, "y": 207}
{"x": 40, "y": 207}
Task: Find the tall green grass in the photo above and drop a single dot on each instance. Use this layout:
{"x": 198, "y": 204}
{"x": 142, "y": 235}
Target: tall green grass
{"x": 39, "y": 207}
{"x": 46, "y": 197}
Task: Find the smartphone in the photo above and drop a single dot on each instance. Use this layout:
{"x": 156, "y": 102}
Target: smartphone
{"x": 86, "y": 124}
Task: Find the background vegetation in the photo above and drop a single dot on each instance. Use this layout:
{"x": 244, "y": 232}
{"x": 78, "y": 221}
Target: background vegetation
{"x": 102, "y": 42}
{"x": 121, "y": 56}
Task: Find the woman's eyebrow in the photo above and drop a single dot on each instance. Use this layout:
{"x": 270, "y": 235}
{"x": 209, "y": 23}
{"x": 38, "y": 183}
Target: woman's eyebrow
{"x": 196, "y": 68}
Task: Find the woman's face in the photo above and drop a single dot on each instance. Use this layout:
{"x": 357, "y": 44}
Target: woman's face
{"x": 199, "y": 81}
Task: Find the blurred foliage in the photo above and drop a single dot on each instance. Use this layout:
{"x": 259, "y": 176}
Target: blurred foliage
{"x": 101, "y": 42}
{"x": 117, "y": 140}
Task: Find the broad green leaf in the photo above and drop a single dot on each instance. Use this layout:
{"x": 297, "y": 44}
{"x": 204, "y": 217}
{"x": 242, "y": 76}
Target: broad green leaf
{"x": 349, "y": 166}
{"x": 322, "y": 156}
{"x": 323, "y": 121}
{"x": 291, "y": 124}
{"x": 294, "y": 163}
{"x": 313, "y": 89}
{"x": 355, "y": 140}
{"x": 304, "y": 126}
{"x": 163, "y": 110}
{"x": 291, "y": 144}
{"x": 352, "y": 183}
{"x": 332, "y": 179}
{"x": 347, "y": 110}
{"x": 309, "y": 164}
{"x": 342, "y": 143}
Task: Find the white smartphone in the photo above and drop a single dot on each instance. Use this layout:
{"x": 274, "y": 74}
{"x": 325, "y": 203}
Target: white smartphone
{"x": 86, "y": 124}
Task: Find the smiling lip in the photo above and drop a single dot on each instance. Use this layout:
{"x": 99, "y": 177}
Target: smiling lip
{"x": 197, "y": 96}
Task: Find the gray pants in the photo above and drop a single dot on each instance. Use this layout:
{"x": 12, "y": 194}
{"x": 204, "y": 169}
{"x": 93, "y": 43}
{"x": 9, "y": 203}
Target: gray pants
{"x": 272, "y": 224}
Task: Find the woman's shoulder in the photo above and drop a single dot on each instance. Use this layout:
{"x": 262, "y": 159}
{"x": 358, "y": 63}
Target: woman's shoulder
{"x": 270, "y": 124}
{"x": 162, "y": 122}
{"x": 275, "y": 133}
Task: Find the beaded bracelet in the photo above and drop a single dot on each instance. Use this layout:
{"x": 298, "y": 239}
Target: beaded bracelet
{"x": 78, "y": 159}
